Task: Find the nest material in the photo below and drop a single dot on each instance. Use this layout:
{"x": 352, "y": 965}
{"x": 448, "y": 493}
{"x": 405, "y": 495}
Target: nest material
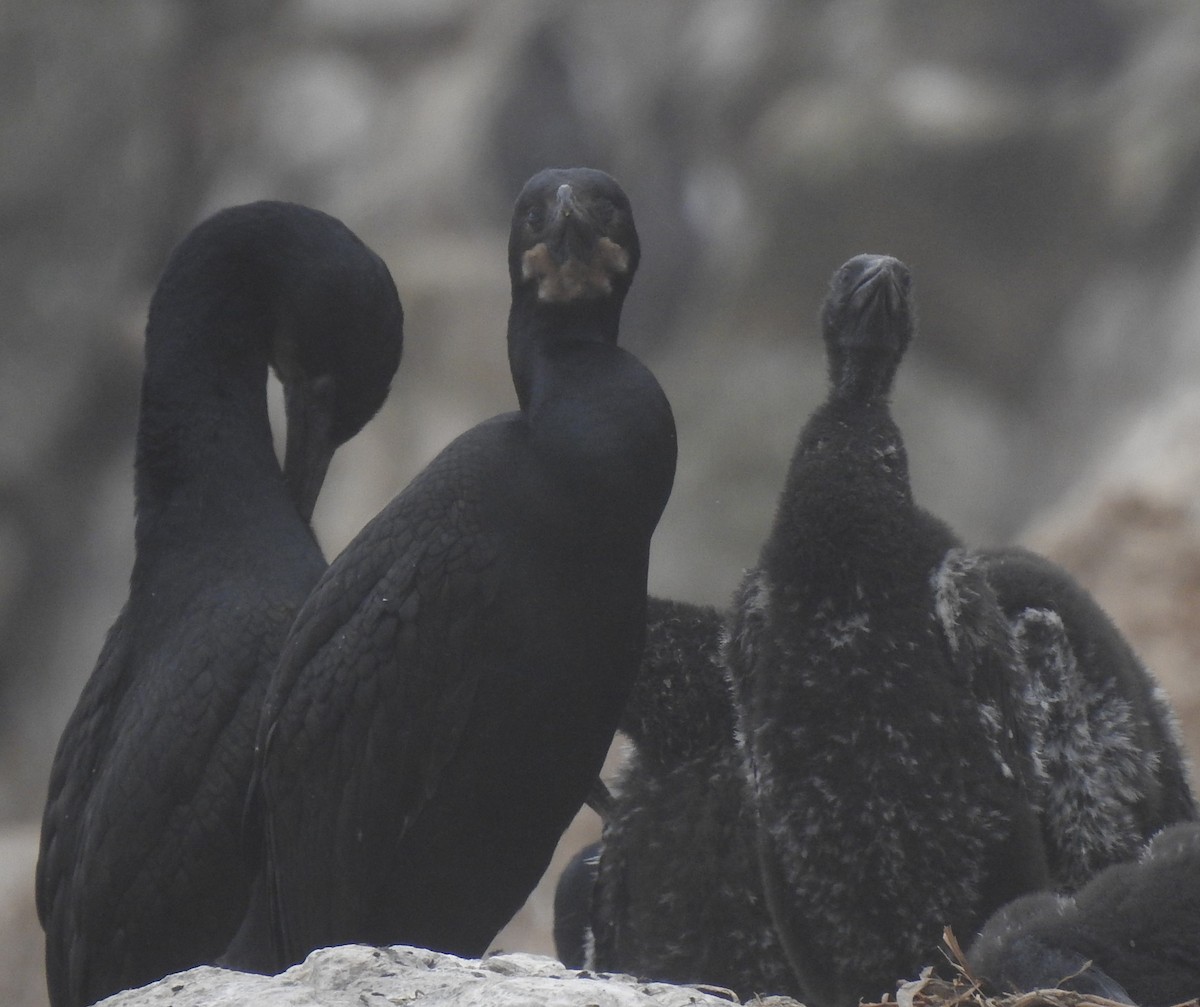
{"x": 965, "y": 990}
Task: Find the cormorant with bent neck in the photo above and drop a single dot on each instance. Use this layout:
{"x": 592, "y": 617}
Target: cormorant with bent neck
{"x": 141, "y": 871}
{"x": 870, "y": 667}
{"x": 449, "y": 690}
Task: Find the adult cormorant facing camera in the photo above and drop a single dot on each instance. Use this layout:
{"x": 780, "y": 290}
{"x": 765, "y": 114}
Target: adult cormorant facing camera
{"x": 450, "y": 688}
{"x": 1131, "y": 934}
{"x": 141, "y": 869}
{"x": 870, "y": 665}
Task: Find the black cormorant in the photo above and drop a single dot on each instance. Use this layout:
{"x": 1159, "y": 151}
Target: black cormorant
{"x": 1102, "y": 762}
{"x": 141, "y": 870}
{"x": 871, "y": 668}
{"x": 450, "y": 689}
{"x": 1108, "y": 752}
{"x": 1131, "y": 934}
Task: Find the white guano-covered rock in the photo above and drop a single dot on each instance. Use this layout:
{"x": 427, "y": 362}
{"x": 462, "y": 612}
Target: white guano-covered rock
{"x": 356, "y": 975}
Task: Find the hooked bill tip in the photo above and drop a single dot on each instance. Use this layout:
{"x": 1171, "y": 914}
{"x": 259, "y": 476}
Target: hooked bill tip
{"x": 871, "y": 275}
{"x": 873, "y": 265}
{"x": 565, "y": 198}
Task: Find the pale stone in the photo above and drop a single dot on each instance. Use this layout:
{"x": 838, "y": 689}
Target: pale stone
{"x": 356, "y": 975}
{"x": 1130, "y": 533}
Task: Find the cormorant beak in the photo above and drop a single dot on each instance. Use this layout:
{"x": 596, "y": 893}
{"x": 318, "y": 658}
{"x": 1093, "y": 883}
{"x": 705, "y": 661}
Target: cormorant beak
{"x": 880, "y": 298}
{"x": 308, "y": 406}
{"x": 573, "y": 235}
{"x": 564, "y": 201}
{"x": 880, "y": 279}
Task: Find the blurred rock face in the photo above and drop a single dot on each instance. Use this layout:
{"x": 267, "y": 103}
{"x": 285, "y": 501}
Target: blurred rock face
{"x": 1037, "y": 165}
{"x": 1130, "y": 531}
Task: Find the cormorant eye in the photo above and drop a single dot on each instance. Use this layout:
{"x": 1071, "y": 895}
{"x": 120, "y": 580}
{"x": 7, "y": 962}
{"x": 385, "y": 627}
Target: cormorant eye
{"x": 536, "y": 217}
{"x": 604, "y": 211}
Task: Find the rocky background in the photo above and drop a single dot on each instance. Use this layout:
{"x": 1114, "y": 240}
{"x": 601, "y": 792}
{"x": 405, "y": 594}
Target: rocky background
{"x": 1036, "y": 164}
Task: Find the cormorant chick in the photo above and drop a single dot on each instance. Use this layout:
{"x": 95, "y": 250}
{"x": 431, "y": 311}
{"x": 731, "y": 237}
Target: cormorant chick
{"x": 871, "y": 669}
{"x": 679, "y": 704}
{"x": 1078, "y": 711}
{"x": 673, "y": 892}
{"x": 678, "y": 895}
{"x": 141, "y": 869}
{"x": 1131, "y": 934}
{"x": 449, "y": 690}
{"x": 1110, "y": 761}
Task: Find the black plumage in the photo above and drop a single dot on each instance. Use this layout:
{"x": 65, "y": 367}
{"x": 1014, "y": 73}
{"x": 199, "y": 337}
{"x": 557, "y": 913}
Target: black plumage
{"x": 870, "y": 666}
{"x": 679, "y": 704}
{"x": 141, "y": 870}
{"x": 669, "y": 716}
{"x": 1131, "y": 934}
{"x": 676, "y": 893}
{"x": 450, "y": 688}
{"x": 1109, "y": 760}
{"x": 1069, "y": 708}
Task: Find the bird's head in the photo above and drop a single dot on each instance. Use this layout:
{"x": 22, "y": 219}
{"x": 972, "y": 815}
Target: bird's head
{"x": 867, "y": 321}
{"x": 339, "y": 332}
{"x": 572, "y": 238}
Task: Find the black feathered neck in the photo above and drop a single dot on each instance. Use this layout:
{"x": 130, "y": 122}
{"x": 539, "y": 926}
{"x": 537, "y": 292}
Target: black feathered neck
{"x": 535, "y": 329}
{"x": 203, "y": 431}
{"x": 595, "y": 416}
{"x": 263, "y": 285}
{"x": 847, "y": 503}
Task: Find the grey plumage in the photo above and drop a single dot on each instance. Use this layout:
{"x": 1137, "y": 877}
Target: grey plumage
{"x": 889, "y": 805}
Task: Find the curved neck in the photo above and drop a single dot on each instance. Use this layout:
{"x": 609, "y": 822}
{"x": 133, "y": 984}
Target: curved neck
{"x": 596, "y": 418}
{"x": 205, "y": 456}
{"x": 534, "y": 327}
{"x": 600, "y": 427}
{"x": 861, "y": 375}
